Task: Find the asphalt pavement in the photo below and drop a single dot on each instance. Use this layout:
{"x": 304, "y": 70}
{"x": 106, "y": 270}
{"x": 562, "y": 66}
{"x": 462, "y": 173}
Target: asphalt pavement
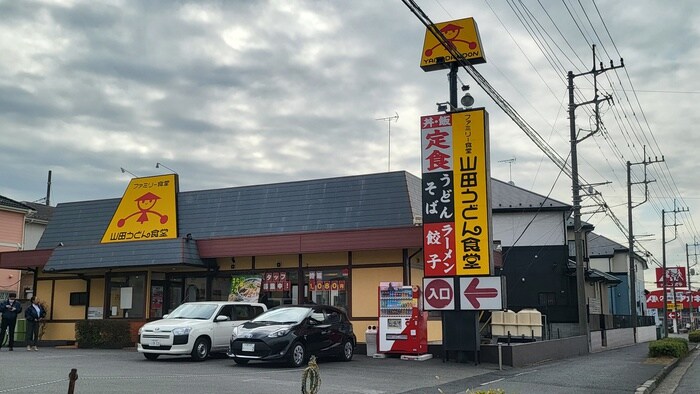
{"x": 622, "y": 370}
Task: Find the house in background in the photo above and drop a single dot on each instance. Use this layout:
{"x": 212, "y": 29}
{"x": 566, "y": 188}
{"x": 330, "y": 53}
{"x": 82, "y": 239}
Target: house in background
{"x": 13, "y": 215}
{"x": 613, "y": 258}
{"x": 34, "y": 225}
{"x": 532, "y": 232}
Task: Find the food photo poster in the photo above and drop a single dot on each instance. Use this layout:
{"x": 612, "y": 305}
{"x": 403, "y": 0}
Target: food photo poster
{"x": 245, "y": 288}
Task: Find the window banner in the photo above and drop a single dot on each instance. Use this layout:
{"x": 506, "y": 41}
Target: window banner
{"x": 245, "y": 288}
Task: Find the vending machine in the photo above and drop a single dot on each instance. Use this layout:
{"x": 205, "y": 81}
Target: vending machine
{"x": 403, "y": 325}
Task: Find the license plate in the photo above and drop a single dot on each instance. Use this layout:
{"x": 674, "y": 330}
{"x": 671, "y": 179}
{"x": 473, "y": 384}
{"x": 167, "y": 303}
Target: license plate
{"x": 248, "y": 347}
{"x": 154, "y": 342}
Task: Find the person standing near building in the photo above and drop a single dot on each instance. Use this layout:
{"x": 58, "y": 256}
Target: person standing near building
{"x": 9, "y": 310}
{"x": 34, "y": 315}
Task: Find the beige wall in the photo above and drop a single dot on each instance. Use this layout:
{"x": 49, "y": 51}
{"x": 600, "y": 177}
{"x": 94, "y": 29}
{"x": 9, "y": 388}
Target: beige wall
{"x": 59, "y": 332}
{"x": 62, "y": 308}
{"x": 324, "y": 259}
{"x": 97, "y": 292}
{"x": 364, "y": 257}
{"x": 270, "y": 262}
{"x": 365, "y": 284}
{"x": 43, "y": 293}
{"x": 241, "y": 263}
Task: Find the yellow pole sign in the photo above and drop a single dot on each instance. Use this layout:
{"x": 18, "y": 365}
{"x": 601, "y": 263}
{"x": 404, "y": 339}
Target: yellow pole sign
{"x": 463, "y": 34}
{"x": 147, "y": 211}
{"x": 457, "y": 238}
{"x": 472, "y": 199}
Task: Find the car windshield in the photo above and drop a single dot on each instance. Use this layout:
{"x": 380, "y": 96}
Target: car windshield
{"x": 283, "y": 315}
{"x": 193, "y": 311}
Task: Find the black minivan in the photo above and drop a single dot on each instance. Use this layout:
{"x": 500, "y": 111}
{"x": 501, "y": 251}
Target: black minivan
{"x": 293, "y": 333}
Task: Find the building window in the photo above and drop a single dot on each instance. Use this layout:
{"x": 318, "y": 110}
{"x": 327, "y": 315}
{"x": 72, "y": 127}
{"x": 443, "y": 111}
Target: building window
{"x": 572, "y": 248}
{"x": 279, "y": 287}
{"x": 327, "y": 287}
{"x": 127, "y": 296}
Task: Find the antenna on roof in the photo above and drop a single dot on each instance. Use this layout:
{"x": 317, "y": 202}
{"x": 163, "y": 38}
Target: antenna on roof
{"x": 510, "y": 167}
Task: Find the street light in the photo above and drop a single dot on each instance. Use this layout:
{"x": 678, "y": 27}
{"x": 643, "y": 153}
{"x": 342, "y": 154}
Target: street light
{"x": 159, "y": 164}
{"x": 127, "y": 172}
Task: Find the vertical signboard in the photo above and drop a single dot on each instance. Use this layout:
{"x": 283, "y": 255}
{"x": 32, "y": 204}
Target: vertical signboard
{"x": 472, "y": 202}
{"x": 438, "y": 190}
{"x": 455, "y": 180}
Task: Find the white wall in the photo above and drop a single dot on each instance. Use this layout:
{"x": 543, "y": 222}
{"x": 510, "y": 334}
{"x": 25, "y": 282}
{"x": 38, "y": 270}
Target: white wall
{"x": 32, "y": 234}
{"x": 600, "y": 263}
{"x": 548, "y": 228}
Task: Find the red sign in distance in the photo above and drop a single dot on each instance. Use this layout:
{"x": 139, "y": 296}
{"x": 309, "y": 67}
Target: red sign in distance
{"x": 438, "y": 294}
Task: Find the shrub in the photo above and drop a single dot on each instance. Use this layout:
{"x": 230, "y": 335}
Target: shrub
{"x": 102, "y": 334}
{"x": 694, "y": 336}
{"x": 672, "y": 347}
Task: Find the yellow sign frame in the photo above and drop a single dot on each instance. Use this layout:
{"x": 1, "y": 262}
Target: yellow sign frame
{"x": 472, "y": 200}
{"x": 463, "y": 33}
{"x": 146, "y": 212}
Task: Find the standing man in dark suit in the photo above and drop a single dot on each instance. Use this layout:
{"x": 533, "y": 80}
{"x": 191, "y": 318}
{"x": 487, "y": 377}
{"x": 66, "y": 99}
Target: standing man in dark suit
{"x": 9, "y": 310}
{"x": 34, "y": 314}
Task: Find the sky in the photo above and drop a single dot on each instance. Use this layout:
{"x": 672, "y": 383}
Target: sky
{"x": 235, "y": 93}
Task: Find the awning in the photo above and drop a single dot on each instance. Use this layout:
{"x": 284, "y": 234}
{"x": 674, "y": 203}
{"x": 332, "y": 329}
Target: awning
{"x": 177, "y": 251}
{"x": 594, "y": 275}
{"x": 597, "y": 275}
{"x": 24, "y": 259}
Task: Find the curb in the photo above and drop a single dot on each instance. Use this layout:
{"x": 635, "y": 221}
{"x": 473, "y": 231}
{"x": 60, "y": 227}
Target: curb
{"x": 653, "y": 383}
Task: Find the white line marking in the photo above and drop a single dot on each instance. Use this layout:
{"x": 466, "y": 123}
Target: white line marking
{"x": 493, "y": 381}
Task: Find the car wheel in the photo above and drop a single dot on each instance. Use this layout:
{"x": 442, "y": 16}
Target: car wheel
{"x": 347, "y": 350}
{"x": 297, "y": 354}
{"x": 200, "y": 351}
{"x": 151, "y": 356}
{"x": 240, "y": 361}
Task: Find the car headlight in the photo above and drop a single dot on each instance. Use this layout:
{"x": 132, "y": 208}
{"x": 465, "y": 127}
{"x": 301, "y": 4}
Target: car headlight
{"x": 182, "y": 330}
{"x": 234, "y": 334}
{"x": 279, "y": 333}
{"x": 140, "y": 330}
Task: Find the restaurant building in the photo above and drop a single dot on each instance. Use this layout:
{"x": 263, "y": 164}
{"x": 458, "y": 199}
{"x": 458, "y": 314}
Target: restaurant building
{"x": 330, "y": 241}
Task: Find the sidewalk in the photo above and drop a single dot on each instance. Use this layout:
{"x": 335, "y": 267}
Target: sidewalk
{"x": 666, "y": 380}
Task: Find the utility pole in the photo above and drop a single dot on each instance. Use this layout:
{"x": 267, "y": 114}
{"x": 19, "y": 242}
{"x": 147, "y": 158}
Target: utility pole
{"x": 690, "y": 288}
{"x": 633, "y": 273}
{"x": 663, "y": 257}
{"x": 580, "y": 272}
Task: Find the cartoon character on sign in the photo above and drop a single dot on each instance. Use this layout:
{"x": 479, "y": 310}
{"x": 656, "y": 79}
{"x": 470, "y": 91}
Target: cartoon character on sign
{"x": 451, "y": 32}
{"x": 145, "y": 204}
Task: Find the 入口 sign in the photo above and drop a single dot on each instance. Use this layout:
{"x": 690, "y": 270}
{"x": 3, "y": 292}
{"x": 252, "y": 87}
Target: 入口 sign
{"x": 438, "y": 294}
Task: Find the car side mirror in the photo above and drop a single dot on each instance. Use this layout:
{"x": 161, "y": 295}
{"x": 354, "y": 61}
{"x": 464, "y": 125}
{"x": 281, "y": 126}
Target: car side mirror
{"x": 165, "y": 316}
{"x": 221, "y": 318}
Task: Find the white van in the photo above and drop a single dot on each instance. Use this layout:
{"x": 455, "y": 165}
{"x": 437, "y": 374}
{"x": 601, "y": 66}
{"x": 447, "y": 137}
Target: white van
{"x": 195, "y": 328}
